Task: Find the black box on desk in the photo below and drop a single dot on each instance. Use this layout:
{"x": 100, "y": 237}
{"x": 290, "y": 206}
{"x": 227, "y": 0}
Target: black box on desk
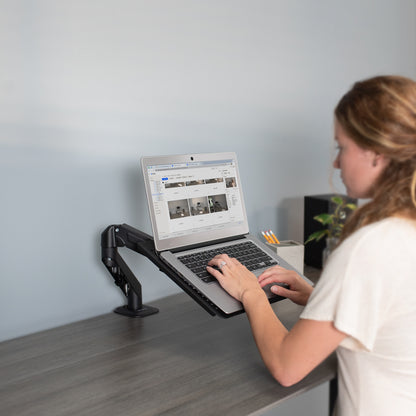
{"x": 315, "y": 205}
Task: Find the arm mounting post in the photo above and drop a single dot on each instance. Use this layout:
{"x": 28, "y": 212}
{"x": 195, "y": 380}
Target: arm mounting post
{"x": 115, "y": 236}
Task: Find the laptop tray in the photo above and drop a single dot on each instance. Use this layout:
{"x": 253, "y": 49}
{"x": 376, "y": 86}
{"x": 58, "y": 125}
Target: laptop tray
{"x": 143, "y": 243}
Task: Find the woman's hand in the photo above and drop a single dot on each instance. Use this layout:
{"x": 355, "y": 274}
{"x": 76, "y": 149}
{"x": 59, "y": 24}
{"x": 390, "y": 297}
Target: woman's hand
{"x": 298, "y": 290}
{"x": 235, "y": 278}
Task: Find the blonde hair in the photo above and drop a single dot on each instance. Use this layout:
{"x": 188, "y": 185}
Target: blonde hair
{"x": 379, "y": 114}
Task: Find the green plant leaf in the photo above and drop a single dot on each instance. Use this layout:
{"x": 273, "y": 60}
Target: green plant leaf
{"x": 316, "y": 236}
{"x": 324, "y": 218}
{"x": 337, "y": 199}
{"x": 334, "y": 222}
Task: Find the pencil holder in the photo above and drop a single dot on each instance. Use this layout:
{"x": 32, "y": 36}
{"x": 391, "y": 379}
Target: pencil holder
{"x": 290, "y": 251}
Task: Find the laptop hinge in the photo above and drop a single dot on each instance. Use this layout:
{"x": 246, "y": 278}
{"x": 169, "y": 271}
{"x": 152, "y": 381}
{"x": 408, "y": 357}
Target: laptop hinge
{"x": 208, "y": 243}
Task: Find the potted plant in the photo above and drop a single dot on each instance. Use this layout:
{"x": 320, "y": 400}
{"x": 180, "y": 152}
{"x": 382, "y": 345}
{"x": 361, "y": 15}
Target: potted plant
{"x": 333, "y": 224}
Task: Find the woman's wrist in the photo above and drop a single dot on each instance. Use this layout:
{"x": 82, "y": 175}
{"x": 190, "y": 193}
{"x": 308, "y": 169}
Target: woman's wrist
{"x": 253, "y": 295}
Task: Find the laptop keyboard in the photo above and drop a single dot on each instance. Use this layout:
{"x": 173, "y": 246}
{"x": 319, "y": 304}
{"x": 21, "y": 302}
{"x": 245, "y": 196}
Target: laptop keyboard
{"x": 246, "y": 253}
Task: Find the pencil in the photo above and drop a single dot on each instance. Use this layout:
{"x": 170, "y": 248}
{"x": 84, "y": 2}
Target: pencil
{"x": 268, "y": 239}
{"x": 274, "y": 237}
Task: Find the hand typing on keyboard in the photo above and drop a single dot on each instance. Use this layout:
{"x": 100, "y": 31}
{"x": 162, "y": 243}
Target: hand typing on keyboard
{"x": 246, "y": 253}
{"x": 294, "y": 287}
{"x": 237, "y": 280}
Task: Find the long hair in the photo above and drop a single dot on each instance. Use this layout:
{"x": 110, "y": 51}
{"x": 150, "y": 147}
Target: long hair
{"x": 379, "y": 114}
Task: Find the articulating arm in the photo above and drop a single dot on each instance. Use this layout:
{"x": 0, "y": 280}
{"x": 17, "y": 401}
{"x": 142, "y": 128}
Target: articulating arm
{"x": 124, "y": 235}
{"x": 115, "y": 236}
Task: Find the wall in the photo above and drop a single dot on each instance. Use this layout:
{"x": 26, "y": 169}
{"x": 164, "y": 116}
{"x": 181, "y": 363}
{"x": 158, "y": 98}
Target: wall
{"x": 87, "y": 87}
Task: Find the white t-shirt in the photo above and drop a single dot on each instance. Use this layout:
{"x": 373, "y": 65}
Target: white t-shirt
{"x": 368, "y": 289}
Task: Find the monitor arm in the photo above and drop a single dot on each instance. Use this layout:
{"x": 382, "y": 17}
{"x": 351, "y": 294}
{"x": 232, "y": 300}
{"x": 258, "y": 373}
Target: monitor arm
{"x": 123, "y": 235}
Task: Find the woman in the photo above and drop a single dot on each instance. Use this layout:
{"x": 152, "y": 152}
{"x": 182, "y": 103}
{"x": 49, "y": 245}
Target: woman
{"x": 364, "y": 305}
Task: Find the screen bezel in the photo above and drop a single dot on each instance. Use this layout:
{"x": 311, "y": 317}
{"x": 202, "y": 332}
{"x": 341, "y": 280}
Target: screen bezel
{"x": 206, "y": 236}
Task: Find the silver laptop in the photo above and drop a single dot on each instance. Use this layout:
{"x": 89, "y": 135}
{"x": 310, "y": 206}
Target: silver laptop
{"x": 197, "y": 210}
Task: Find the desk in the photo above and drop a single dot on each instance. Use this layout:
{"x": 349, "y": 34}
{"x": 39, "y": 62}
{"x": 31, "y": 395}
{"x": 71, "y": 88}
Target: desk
{"x": 181, "y": 361}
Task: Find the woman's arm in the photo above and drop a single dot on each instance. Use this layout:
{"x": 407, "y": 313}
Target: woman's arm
{"x": 289, "y": 356}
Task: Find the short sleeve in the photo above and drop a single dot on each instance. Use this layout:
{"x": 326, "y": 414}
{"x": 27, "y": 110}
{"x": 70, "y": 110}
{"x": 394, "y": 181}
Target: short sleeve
{"x": 353, "y": 291}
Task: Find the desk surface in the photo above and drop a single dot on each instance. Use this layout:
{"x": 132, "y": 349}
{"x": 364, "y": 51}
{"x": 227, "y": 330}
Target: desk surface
{"x": 181, "y": 361}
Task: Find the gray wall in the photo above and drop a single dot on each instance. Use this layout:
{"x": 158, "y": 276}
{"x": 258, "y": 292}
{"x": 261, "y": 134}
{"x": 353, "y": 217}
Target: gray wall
{"x": 89, "y": 86}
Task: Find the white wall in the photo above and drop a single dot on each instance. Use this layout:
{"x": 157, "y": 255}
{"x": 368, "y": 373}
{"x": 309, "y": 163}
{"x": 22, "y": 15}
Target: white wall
{"x": 89, "y": 86}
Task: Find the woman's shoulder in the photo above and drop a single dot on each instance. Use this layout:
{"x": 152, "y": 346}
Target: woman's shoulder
{"x": 388, "y": 226}
{"x": 384, "y": 248}
{"x": 382, "y": 238}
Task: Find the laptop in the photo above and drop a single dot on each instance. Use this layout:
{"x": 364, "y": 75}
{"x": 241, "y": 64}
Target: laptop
{"x": 197, "y": 210}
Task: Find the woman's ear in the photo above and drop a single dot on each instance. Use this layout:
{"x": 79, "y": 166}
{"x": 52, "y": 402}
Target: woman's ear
{"x": 380, "y": 160}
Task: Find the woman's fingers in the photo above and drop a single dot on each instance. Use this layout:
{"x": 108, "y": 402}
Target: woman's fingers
{"x": 277, "y": 274}
{"x": 297, "y": 290}
{"x": 232, "y": 275}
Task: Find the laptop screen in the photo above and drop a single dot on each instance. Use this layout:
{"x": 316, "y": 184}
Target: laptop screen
{"x": 194, "y": 198}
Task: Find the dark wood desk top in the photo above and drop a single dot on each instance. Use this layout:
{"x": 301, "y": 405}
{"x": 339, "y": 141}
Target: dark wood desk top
{"x": 181, "y": 361}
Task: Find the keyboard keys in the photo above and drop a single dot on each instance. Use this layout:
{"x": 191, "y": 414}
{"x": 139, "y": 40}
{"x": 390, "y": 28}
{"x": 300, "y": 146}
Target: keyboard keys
{"x": 246, "y": 253}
